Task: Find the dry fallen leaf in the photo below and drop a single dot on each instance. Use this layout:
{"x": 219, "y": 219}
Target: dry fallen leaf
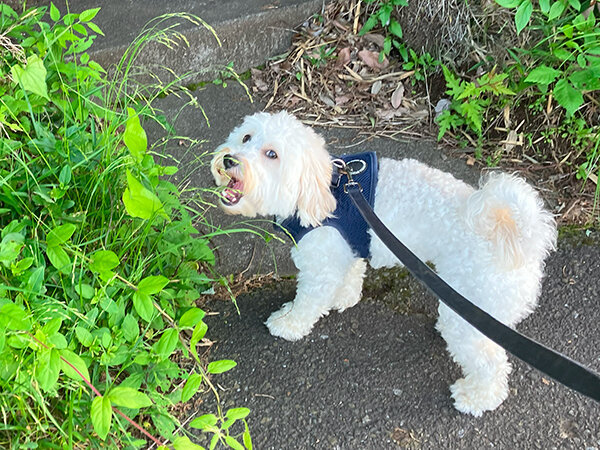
{"x": 259, "y": 81}
{"x": 371, "y": 59}
{"x": 376, "y": 87}
{"x": 326, "y": 99}
{"x": 397, "y": 95}
{"x": 470, "y": 161}
{"x": 341, "y": 99}
{"x": 343, "y": 57}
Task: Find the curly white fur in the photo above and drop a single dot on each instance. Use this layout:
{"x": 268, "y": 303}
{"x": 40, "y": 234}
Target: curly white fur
{"x": 488, "y": 244}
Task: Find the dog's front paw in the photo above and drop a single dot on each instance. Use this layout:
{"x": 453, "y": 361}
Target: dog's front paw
{"x": 475, "y": 397}
{"x": 289, "y": 324}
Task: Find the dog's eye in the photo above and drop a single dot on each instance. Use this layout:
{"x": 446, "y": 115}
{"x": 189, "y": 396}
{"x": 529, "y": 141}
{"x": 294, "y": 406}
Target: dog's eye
{"x": 271, "y": 154}
{"x": 246, "y": 138}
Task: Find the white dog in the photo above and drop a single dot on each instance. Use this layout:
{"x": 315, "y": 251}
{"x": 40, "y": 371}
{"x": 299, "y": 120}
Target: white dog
{"x": 488, "y": 244}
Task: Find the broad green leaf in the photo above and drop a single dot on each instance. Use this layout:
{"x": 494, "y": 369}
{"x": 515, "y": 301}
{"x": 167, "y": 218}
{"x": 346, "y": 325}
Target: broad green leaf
{"x": 235, "y": 445}
{"x": 167, "y": 343}
{"x": 152, "y": 284}
{"x": 52, "y": 326}
{"x": 84, "y": 290}
{"x": 65, "y": 175}
{"x": 545, "y": 6}
{"x": 143, "y": 306}
{"x": 84, "y": 336}
{"x": 131, "y": 329}
{"x": 586, "y": 80}
{"x": 88, "y": 14}
{"x": 170, "y": 170}
{"x": 191, "y": 317}
{"x": 22, "y": 265}
{"x": 96, "y": 29}
{"x": 395, "y": 28}
{"x": 164, "y": 424}
{"x": 542, "y": 75}
{"x": 18, "y": 341}
{"x": 369, "y": 25}
{"x": 567, "y": 96}
{"x": 32, "y": 77}
{"x": 142, "y": 358}
{"x": 36, "y": 280}
{"x": 220, "y": 366}
{"x": 184, "y": 443}
{"x": 191, "y": 387}
{"x": 246, "y": 437}
{"x": 387, "y": 48}
{"x": 214, "y": 441}
{"x": 523, "y": 15}
{"x": 54, "y": 12}
{"x": 139, "y": 201}
{"x": 57, "y": 340}
{"x": 556, "y": 9}
{"x": 75, "y": 361}
{"x": 14, "y": 317}
{"x": 198, "y": 333}
{"x": 11, "y": 247}
{"x": 129, "y": 397}
{"x": 237, "y": 413}
{"x": 385, "y": 12}
{"x": 101, "y": 414}
{"x": 135, "y": 137}
{"x": 59, "y": 258}
{"x": 204, "y": 422}
{"x": 60, "y": 234}
{"x": 47, "y": 368}
{"x": 103, "y": 261}
{"x": 508, "y": 3}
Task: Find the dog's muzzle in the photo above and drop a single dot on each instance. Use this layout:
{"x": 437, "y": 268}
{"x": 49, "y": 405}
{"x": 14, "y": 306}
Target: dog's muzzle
{"x": 234, "y": 191}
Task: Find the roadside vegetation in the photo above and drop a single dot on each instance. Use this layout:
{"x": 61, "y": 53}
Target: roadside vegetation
{"x": 510, "y": 83}
{"x": 101, "y": 265}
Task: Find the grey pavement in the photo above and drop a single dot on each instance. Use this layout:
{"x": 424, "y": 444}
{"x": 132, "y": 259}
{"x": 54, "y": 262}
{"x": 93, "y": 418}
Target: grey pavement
{"x": 377, "y": 375}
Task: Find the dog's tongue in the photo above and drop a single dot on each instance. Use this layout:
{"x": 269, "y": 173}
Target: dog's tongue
{"x": 233, "y": 192}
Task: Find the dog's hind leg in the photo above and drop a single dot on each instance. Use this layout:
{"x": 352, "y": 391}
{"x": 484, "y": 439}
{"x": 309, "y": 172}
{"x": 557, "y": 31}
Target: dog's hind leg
{"x": 484, "y": 365}
{"x": 323, "y": 259}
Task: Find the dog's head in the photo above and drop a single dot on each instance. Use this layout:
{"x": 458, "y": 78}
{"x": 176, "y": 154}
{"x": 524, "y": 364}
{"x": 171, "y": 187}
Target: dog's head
{"x": 274, "y": 165}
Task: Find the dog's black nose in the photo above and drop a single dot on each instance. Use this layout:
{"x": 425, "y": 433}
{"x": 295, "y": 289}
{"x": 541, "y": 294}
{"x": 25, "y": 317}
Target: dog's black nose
{"x": 229, "y": 161}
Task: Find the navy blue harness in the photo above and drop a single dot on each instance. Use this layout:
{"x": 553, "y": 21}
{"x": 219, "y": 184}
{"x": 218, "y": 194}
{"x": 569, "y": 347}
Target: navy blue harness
{"x": 346, "y": 218}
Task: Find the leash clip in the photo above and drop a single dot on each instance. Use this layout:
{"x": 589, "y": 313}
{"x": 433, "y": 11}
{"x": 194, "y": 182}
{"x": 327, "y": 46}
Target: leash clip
{"x": 344, "y": 169}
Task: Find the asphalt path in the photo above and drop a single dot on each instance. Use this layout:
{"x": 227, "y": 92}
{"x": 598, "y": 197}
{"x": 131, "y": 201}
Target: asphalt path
{"x": 376, "y": 376}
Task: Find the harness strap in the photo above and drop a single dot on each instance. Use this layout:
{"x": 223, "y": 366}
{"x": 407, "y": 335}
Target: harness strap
{"x": 561, "y": 368}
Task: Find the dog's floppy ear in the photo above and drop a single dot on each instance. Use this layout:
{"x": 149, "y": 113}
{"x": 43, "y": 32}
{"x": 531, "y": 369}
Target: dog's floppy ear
{"x": 315, "y": 200}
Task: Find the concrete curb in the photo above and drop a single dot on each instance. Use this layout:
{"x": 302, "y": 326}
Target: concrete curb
{"x": 250, "y": 31}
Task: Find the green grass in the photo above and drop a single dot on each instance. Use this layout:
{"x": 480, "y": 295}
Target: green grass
{"x": 100, "y": 264}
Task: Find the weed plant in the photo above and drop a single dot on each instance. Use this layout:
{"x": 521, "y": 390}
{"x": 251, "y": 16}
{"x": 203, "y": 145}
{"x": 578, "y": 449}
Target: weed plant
{"x": 100, "y": 265}
{"x": 552, "y": 78}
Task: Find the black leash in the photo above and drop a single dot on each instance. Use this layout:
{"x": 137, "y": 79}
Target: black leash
{"x": 561, "y": 368}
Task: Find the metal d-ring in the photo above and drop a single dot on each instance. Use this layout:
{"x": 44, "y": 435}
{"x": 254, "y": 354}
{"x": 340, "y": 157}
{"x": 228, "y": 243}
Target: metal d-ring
{"x": 356, "y": 166}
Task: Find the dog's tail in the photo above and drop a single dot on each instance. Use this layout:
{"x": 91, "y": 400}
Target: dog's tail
{"x": 511, "y": 215}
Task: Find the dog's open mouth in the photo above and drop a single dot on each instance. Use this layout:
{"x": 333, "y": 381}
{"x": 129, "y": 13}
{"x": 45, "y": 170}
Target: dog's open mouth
{"x": 233, "y": 193}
